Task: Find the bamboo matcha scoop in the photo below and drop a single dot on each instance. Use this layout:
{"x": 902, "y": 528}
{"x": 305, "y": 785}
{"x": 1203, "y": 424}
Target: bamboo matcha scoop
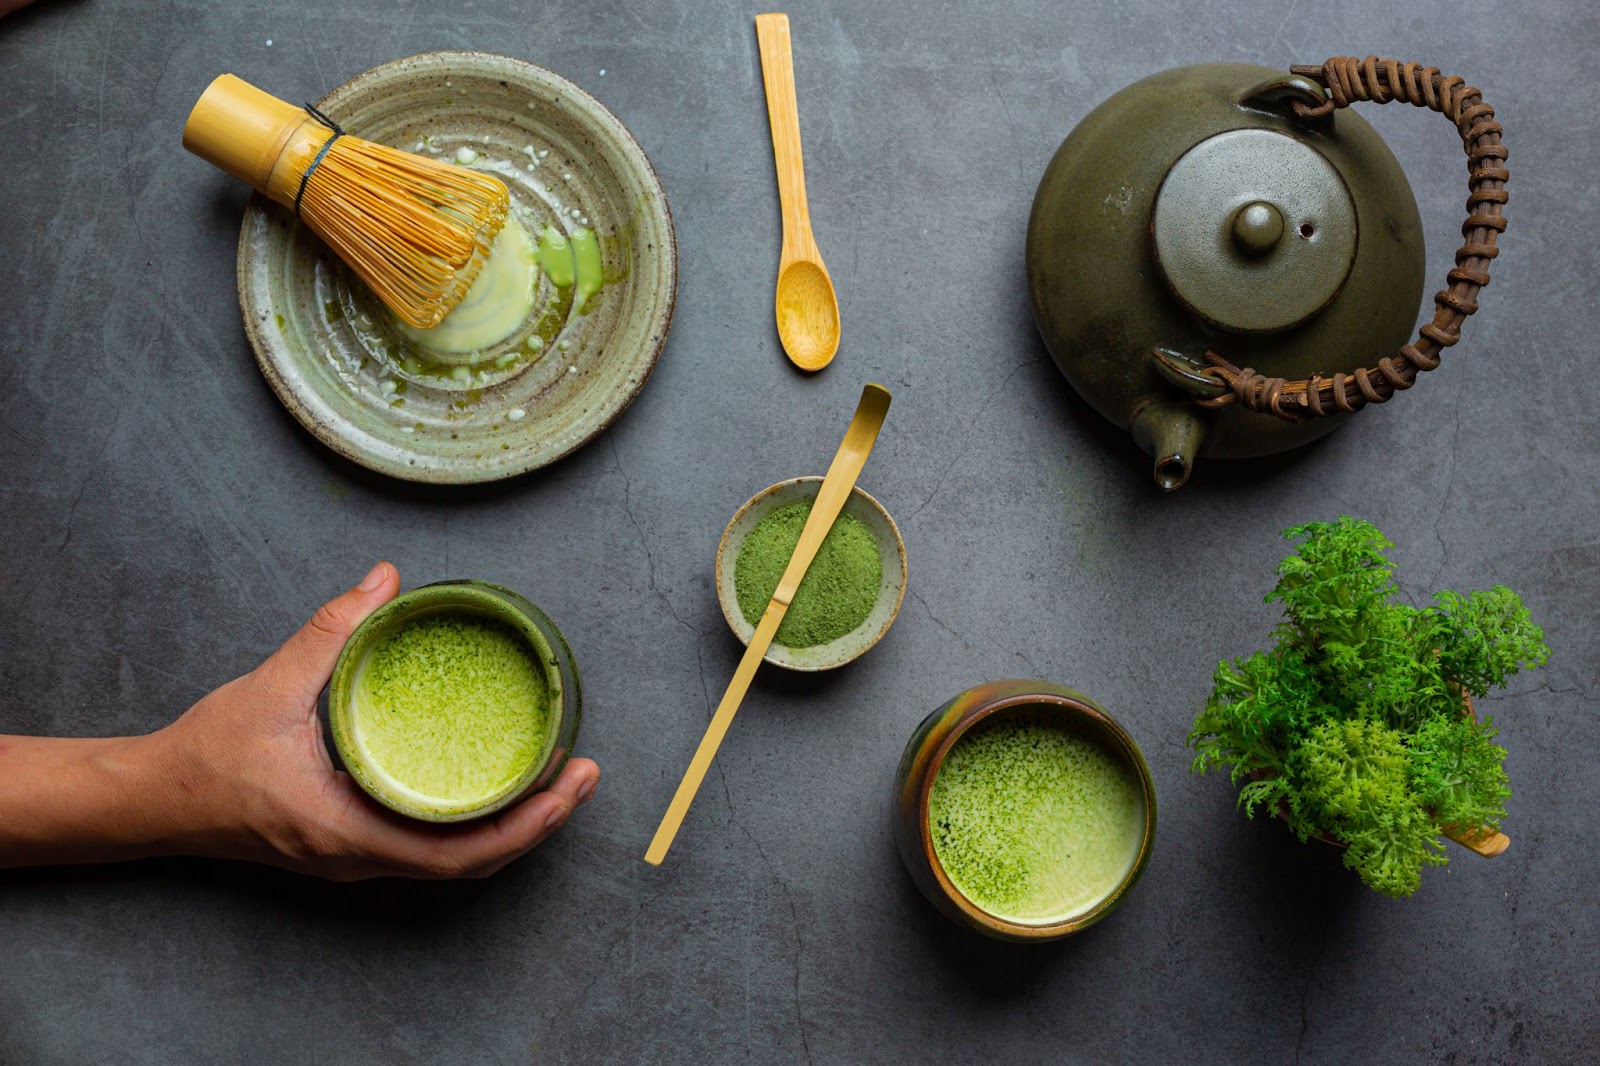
{"x": 807, "y": 309}
{"x": 836, "y": 486}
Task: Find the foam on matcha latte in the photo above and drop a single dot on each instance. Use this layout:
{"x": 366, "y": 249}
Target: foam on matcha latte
{"x": 452, "y": 707}
{"x": 1032, "y": 820}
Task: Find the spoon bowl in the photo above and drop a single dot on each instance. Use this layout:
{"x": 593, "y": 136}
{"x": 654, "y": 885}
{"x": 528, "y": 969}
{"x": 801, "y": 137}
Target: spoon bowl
{"x": 808, "y": 313}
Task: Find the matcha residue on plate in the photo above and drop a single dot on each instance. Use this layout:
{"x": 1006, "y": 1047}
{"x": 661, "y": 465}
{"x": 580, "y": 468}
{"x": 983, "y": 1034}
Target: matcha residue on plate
{"x": 569, "y": 260}
{"x": 452, "y": 706}
{"x": 838, "y": 590}
{"x": 1034, "y": 822}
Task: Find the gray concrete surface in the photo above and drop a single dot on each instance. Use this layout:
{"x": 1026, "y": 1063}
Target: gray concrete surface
{"x": 165, "y": 524}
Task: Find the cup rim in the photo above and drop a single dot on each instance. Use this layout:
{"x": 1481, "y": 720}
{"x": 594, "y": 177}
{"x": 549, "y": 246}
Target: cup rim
{"x": 469, "y": 592}
{"x": 730, "y": 607}
{"x": 1130, "y": 750}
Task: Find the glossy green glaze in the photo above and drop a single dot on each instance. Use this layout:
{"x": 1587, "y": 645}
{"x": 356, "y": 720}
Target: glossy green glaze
{"x": 1026, "y": 701}
{"x": 1343, "y": 293}
{"x": 385, "y": 765}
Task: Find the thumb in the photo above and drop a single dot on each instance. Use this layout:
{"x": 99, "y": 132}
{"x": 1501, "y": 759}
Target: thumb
{"x": 305, "y": 661}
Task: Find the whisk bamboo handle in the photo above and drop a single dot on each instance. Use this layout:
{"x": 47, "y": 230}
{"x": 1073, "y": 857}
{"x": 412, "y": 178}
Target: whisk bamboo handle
{"x": 416, "y": 230}
{"x": 259, "y": 139}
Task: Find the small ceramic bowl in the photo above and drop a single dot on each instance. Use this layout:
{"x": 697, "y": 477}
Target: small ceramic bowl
{"x": 891, "y": 591}
{"x": 925, "y": 754}
{"x": 545, "y": 646}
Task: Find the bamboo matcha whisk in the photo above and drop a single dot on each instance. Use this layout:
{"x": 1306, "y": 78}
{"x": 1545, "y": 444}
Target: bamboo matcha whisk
{"x": 416, "y": 230}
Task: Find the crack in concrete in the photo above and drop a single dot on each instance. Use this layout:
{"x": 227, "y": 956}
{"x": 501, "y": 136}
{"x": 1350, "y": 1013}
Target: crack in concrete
{"x": 1575, "y": 690}
{"x": 942, "y": 624}
{"x": 1021, "y": 152}
{"x": 88, "y": 479}
{"x": 794, "y": 913}
{"x": 609, "y": 954}
{"x": 644, "y": 540}
{"x": 794, "y": 920}
{"x": 1444, "y": 501}
{"x": 961, "y": 449}
{"x": 699, "y": 658}
{"x": 1305, "y": 994}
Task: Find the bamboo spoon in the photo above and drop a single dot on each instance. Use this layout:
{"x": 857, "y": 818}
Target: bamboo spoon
{"x": 836, "y": 486}
{"x": 1483, "y": 840}
{"x": 807, "y": 309}
{"x": 1480, "y": 839}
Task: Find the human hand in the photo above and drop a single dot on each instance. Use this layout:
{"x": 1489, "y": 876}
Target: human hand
{"x": 254, "y": 779}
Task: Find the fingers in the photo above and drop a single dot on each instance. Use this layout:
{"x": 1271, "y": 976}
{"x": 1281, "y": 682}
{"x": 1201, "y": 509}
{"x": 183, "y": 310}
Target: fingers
{"x": 527, "y": 825}
{"x": 305, "y": 662}
{"x": 478, "y": 849}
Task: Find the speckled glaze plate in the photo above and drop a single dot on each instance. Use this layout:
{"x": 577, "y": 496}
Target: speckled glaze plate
{"x": 331, "y": 351}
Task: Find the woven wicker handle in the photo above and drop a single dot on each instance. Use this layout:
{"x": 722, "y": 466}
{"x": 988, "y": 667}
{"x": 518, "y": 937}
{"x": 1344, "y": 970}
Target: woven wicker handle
{"x": 1380, "y": 80}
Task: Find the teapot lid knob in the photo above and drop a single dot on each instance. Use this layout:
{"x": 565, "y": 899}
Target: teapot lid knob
{"x": 1255, "y": 230}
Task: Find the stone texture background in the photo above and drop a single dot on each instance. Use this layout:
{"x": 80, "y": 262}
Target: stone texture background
{"x": 166, "y": 524}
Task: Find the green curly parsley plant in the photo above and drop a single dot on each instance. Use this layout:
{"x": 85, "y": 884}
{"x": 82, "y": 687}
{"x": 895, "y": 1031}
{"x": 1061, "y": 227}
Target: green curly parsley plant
{"x": 1353, "y": 725}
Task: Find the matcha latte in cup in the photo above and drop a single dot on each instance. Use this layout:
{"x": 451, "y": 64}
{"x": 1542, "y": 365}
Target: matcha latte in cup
{"x": 1023, "y": 810}
{"x": 454, "y": 700}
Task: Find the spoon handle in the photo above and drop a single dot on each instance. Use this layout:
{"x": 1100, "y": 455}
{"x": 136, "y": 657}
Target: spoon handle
{"x": 783, "y": 114}
{"x": 1481, "y": 839}
{"x": 745, "y": 673}
{"x": 836, "y": 486}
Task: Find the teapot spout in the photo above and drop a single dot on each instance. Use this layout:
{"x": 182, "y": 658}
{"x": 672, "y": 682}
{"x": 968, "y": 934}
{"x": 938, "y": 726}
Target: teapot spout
{"x": 1171, "y": 431}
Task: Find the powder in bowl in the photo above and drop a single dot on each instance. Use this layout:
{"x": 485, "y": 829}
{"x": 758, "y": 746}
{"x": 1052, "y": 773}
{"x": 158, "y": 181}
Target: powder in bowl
{"x": 839, "y": 589}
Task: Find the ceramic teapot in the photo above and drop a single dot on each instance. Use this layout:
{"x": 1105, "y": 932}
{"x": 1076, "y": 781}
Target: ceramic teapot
{"x": 1215, "y": 219}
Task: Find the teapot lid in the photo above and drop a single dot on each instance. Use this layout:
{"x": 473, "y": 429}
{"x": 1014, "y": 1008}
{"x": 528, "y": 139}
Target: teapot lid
{"x": 1255, "y": 230}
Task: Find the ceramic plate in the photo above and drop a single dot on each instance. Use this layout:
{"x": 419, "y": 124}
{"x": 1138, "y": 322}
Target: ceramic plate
{"x": 331, "y": 351}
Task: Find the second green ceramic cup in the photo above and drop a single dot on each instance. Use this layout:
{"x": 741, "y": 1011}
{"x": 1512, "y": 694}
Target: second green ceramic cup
{"x": 1000, "y": 703}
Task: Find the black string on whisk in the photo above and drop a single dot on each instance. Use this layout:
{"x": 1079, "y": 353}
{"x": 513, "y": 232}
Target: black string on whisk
{"x": 314, "y": 112}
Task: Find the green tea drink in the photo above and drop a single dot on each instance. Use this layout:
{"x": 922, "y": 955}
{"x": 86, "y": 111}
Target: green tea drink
{"x": 450, "y": 708}
{"x": 1033, "y": 821}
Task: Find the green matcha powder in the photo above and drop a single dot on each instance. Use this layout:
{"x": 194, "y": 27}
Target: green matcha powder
{"x": 838, "y": 591}
{"x": 1032, "y": 822}
{"x": 453, "y": 706}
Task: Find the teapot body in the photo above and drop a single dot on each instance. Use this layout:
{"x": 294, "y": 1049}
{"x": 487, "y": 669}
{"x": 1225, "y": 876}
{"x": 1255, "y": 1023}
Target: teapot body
{"x": 1108, "y": 284}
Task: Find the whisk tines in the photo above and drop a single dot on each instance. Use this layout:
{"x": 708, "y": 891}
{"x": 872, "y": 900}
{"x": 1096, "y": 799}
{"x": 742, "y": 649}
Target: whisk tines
{"x": 416, "y": 230}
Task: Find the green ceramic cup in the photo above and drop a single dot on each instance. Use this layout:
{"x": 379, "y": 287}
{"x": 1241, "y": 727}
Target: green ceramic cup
{"x": 925, "y": 753}
{"x": 478, "y": 601}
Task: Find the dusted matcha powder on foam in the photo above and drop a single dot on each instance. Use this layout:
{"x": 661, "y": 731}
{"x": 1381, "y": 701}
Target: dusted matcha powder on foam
{"x": 452, "y": 707}
{"x": 1032, "y": 821}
